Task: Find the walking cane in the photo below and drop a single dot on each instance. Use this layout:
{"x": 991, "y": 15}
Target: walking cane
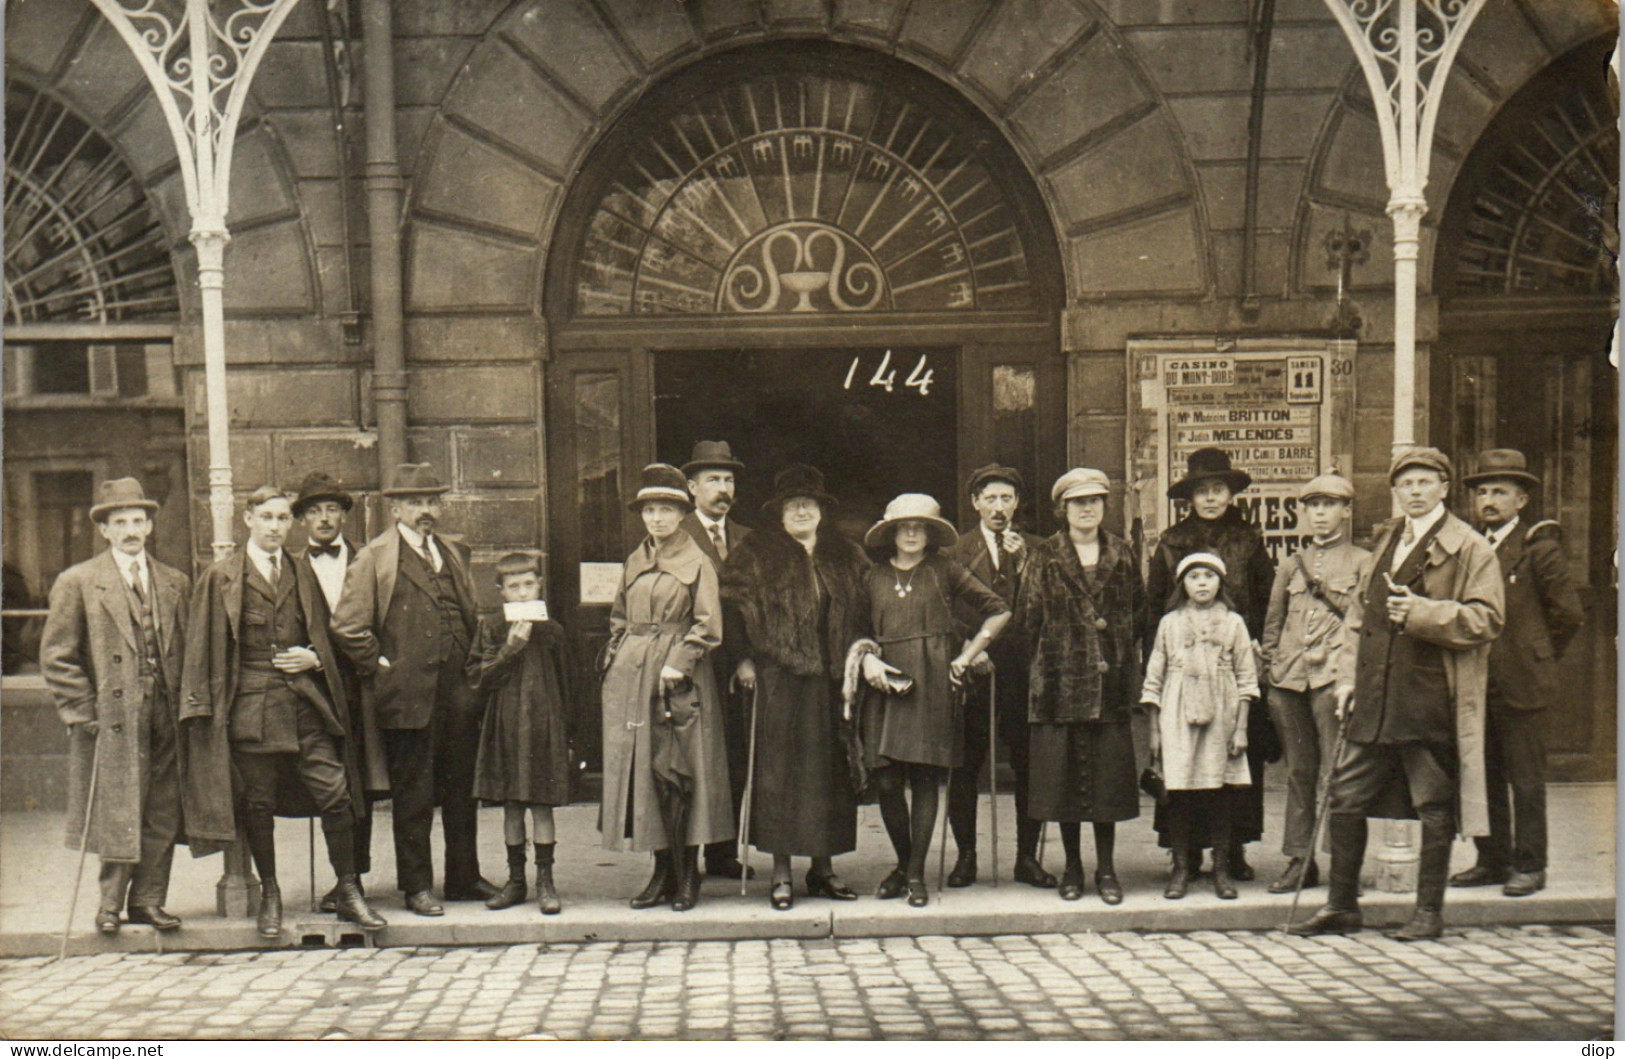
{"x": 84, "y": 844}
{"x": 942, "y": 843}
{"x": 310, "y": 836}
{"x": 993, "y": 765}
{"x": 1320, "y": 813}
{"x": 743, "y": 854}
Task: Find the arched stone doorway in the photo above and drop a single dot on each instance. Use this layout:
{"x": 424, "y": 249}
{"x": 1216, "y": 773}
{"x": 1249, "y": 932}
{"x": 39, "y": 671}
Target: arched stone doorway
{"x": 818, "y": 253}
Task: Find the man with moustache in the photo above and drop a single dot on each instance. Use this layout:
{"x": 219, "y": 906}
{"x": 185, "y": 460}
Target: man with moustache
{"x": 996, "y": 552}
{"x": 262, "y": 696}
{"x": 111, "y": 655}
{"x": 1543, "y": 613}
{"x": 406, "y": 619}
{"x": 710, "y": 472}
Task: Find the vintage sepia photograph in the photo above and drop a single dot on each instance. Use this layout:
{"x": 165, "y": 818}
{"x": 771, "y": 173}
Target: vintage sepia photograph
{"x": 661, "y": 520}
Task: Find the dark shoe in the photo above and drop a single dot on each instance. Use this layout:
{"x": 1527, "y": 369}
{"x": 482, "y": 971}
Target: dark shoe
{"x": 329, "y": 903}
{"x": 1425, "y": 924}
{"x": 352, "y": 907}
{"x": 1299, "y": 871}
{"x": 106, "y": 922}
{"x": 1072, "y": 884}
{"x": 1223, "y": 885}
{"x": 662, "y": 884}
{"x": 783, "y": 896}
{"x": 892, "y": 886}
{"x": 1240, "y": 870}
{"x": 687, "y": 894}
{"x": 1521, "y": 884}
{"x": 1481, "y": 875}
{"x": 269, "y": 921}
{"x": 1029, "y": 871}
{"x": 1110, "y": 890}
{"x": 513, "y": 892}
{"x": 728, "y": 868}
{"x": 918, "y": 895}
{"x": 1329, "y": 920}
{"x": 829, "y": 886}
{"x": 423, "y": 903}
{"x": 480, "y": 890}
{"x": 547, "y": 898}
{"x": 964, "y": 873}
{"x": 1179, "y": 879}
{"x": 164, "y": 923}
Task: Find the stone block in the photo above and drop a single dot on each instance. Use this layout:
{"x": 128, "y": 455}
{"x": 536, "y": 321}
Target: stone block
{"x": 503, "y": 95}
{"x": 568, "y": 40}
{"x": 1378, "y": 270}
{"x": 411, "y": 129}
{"x": 1214, "y": 127}
{"x": 1312, "y": 55}
{"x": 331, "y": 279}
{"x": 271, "y": 398}
{"x": 804, "y": 12}
{"x": 101, "y": 75}
{"x": 267, "y": 270}
{"x": 38, "y": 33}
{"x": 471, "y": 180}
{"x": 1503, "y": 45}
{"x": 270, "y": 341}
{"x": 1565, "y": 25}
{"x": 1292, "y": 123}
{"x": 465, "y": 338}
{"x": 473, "y": 395}
{"x": 1463, "y": 112}
{"x": 432, "y": 447}
{"x": 250, "y": 458}
{"x": 320, "y": 201}
{"x": 1094, "y": 87}
{"x": 939, "y": 29}
{"x": 1353, "y": 167}
{"x": 1199, "y": 58}
{"x": 655, "y": 31}
{"x": 451, "y": 269}
{"x": 307, "y": 137}
{"x": 425, "y": 67}
{"x": 1163, "y": 253}
{"x": 1138, "y": 165}
{"x": 257, "y": 187}
{"x": 726, "y": 18}
{"x": 874, "y": 16}
{"x": 1096, "y": 383}
{"x": 494, "y": 458}
{"x": 144, "y": 137}
{"x": 1224, "y": 194}
{"x": 350, "y": 457}
{"x": 292, "y": 74}
{"x": 436, "y": 18}
{"x": 1007, "y": 52}
{"x": 1272, "y": 256}
{"x": 1171, "y": 12}
{"x": 490, "y": 523}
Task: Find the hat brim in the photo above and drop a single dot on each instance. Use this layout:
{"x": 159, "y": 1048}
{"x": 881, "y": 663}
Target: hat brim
{"x": 689, "y": 469}
{"x": 1472, "y": 480}
{"x": 1236, "y": 480}
{"x": 397, "y": 492}
{"x": 941, "y": 531}
{"x": 99, "y": 511}
{"x": 344, "y": 500}
{"x": 825, "y": 501}
{"x": 665, "y": 496}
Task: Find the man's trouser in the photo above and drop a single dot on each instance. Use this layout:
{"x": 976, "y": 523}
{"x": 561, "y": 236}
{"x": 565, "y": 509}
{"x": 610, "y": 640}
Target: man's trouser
{"x": 1307, "y": 723}
{"x": 1515, "y": 758}
{"x": 432, "y": 764}
{"x": 147, "y": 883}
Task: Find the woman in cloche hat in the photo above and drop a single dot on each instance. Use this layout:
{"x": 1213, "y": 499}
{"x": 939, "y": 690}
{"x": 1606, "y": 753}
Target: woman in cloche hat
{"x": 666, "y": 620}
{"x": 915, "y": 663}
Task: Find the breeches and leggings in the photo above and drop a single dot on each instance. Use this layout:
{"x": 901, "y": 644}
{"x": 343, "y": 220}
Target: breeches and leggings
{"x": 147, "y": 882}
{"x": 1429, "y": 771}
{"x": 321, "y": 770}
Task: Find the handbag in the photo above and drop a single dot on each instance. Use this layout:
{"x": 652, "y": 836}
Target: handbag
{"x": 1151, "y": 782}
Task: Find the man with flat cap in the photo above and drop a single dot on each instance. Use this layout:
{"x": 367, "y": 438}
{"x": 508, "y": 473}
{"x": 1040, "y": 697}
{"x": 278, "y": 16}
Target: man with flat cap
{"x": 1543, "y": 612}
{"x": 406, "y": 619}
{"x": 996, "y": 552}
{"x": 710, "y": 473}
{"x": 1412, "y": 668}
{"x": 111, "y": 655}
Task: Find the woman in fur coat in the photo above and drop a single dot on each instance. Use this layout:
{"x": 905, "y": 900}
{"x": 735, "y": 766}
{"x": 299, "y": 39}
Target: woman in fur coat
{"x": 799, "y": 591}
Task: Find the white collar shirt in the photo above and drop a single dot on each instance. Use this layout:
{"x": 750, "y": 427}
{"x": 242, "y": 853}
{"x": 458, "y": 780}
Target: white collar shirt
{"x": 993, "y": 547}
{"x": 1419, "y": 528}
{"x": 1502, "y": 532}
{"x": 414, "y": 540}
{"x": 262, "y": 561}
{"x": 329, "y": 570}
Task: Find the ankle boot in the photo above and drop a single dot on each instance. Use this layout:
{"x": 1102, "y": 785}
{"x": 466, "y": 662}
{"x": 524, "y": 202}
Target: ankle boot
{"x": 1223, "y": 884}
{"x": 661, "y": 883}
{"x": 269, "y": 921}
{"x": 687, "y": 894}
{"x": 351, "y": 906}
{"x": 513, "y": 891}
{"x": 1432, "y": 876}
{"x": 547, "y": 898}
{"x": 1179, "y": 880}
{"x": 1341, "y": 913}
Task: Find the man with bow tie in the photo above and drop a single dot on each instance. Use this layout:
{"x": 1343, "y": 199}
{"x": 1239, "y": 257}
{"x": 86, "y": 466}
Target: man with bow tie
{"x": 111, "y": 655}
{"x": 996, "y": 552}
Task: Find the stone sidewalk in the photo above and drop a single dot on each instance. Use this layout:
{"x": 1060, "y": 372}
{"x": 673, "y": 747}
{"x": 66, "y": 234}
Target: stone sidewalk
{"x": 36, "y": 872}
{"x": 1500, "y": 983}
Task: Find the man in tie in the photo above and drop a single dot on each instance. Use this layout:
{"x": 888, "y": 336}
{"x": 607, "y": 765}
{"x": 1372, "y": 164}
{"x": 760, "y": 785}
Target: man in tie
{"x": 406, "y": 619}
{"x": 710, "y": 471}
{"x": 111, "y": 655}
{"x": 1412, "y": 668}
{"x": 996, "y": 552}
{"x": 261, "y": 697}
{"x": 1543, "y": 612}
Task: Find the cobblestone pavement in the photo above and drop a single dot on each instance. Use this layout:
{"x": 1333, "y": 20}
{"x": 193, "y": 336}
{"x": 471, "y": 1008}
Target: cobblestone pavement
{"x": 1506, "y": 982}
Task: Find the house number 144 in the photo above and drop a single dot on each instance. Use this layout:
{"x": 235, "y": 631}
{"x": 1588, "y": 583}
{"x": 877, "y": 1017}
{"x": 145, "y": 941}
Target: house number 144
{"x": 885, "y": 375}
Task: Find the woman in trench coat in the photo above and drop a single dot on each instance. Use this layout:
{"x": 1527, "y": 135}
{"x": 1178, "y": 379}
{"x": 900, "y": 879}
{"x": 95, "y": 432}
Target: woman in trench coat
{"x": 667, "y": 618}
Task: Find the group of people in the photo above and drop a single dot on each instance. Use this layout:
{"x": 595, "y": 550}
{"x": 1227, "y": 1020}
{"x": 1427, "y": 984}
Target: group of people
{"x": 758, "y": 685}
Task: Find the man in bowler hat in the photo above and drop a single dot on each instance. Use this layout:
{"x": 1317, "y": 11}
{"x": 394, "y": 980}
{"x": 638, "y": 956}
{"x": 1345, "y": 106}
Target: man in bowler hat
{"x": 1543, "y": 613}
{"x": 406, "y": 619}
{"x": 710, "y": 473}
{"x": 111, "y": 655}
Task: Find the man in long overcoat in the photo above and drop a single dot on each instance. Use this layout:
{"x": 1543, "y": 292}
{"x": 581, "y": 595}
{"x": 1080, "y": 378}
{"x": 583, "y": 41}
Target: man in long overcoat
{"x": 111, "y": 655}
{"x": 261, "y": 695}
{"x": 1543, "y": 613}
{"x": 997, "y": 553}
{"x": 406, "y": 619}
{"x": 1412, "y": 668}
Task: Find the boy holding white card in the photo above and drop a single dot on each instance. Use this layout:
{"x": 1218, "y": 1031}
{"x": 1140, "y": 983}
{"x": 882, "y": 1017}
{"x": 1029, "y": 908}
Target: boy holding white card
{"x": 518, "y": 662}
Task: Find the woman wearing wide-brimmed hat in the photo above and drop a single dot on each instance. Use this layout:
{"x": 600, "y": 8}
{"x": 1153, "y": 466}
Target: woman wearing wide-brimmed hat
{"x": 1083, "y": 611}
{"x": 665, "y": 765}
{"x": 914, "y": 731}
{"x": 798, "y": 586}
{"x": 1216, "y": 526}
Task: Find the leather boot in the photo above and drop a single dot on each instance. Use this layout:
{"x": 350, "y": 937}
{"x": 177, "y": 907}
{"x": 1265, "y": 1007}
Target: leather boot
{"x": 269, "y": 921}
{"x": 547, "y": 898}
{"x": 964, "y": 871}
{"x": 1179, "y": 880}
{"x": 688, "y": 879}
{"x": 1341, "y": 913}
{"x": 513, "y": 891}
{"x": 661, "y": 883}
{"x": 352, "y": 907}
{"x": 1223, "y": 885}
{"x": 1432, "y": 876}
{"x": 330, "y": 900}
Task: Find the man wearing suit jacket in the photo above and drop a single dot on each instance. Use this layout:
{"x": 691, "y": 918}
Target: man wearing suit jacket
{"x": 710, "y": 471}
{"x": 1543, "y": 613}
{"x": 406, "y": 619}
{"x": 996, "y": 552}
{"x": 111, "y": 655}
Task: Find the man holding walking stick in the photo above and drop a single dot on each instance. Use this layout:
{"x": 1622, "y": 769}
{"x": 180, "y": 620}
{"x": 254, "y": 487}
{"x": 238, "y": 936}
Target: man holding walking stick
{"x": 111, "y": 654}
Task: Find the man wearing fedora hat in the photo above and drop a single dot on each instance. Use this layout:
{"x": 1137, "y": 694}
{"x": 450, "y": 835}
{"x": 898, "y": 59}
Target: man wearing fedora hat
{"x": 406, "y": 619}
{"x": 1543, "y": 613}
{"x": 996, "y": 552}
{"x": 710, "y": 473}
{"x": 111, "y": 655}
{"x": 1412, "y": 668}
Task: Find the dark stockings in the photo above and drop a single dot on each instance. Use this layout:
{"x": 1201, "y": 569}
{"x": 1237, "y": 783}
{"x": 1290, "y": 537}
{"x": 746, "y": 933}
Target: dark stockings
{"x": 909, "y": 826}
{"x": 1105, "y": 847}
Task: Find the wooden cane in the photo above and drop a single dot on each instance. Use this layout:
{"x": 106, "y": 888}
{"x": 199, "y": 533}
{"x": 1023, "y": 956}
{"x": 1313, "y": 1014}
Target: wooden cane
{"x": 743, "y": 853}
{"x": 942, "y": 843}
{"x": 993, "y": 765}
{"x": 84, "y": 843}
{"x": 310, "y": 835}
{"x": 1320, "y": 816}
